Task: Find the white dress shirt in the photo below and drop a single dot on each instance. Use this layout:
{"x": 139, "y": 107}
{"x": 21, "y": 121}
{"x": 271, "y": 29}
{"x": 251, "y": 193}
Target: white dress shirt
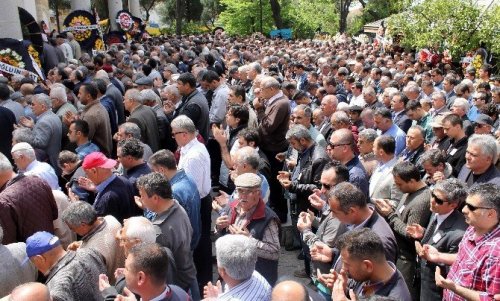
{"x": 44, "y": 171}
{"x": 195, "y": 160}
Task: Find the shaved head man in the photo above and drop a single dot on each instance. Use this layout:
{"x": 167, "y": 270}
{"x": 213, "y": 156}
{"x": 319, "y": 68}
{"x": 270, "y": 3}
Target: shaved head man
{"x": 289, "y": 291}
{"x": 30, "y": 291}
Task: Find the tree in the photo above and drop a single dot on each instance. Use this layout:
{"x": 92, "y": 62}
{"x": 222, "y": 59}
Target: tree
{"x": 276, "y": 9}
{"x": 55, "y": 5}
{"x": 374, "y": 10}
{"x": 343, "y": 8}
{"x": 306, "y": 17}
{"x": 242, "y": 16}
{"x": 211, "y": 10}
{"x": 456, "y": 25}
{"x": 147, "y": 5}
{"x": 179, "y": 8}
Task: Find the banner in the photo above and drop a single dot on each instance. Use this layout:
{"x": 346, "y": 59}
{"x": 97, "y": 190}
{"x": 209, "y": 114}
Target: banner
{"x": 15, "y": 59}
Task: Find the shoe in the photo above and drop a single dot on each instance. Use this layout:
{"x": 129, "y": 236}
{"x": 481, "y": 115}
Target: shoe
{"x": 300, "y": 256}
{"x": 300, "y": 273}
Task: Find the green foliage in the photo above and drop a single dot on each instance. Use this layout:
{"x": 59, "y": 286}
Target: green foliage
{"x": 188, "y": 28}
{"x": 305, "y": 17}
{"x": 457, "y": 25}
{"x": 374, "y": 10}
{"x": 211, "y": 10}
{"x": 242, "y": 17}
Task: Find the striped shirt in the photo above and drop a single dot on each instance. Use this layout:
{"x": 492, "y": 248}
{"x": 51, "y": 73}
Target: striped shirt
{"x": 477, "y": 266}
{"x": 254, "y": 289}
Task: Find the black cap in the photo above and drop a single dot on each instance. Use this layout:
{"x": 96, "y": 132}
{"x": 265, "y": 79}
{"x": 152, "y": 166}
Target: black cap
{"x": 484, "y": 119}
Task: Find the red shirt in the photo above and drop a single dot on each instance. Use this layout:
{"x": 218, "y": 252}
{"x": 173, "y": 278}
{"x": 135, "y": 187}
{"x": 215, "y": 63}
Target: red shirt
{"x": 477, "y": 266}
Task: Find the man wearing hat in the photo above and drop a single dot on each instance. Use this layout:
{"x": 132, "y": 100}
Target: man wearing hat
{"x": 115, "y": 194}
{"x": 70, "y": 275}
{"x": 250, "y": 216}
{"x": 440, "y": 140}
{"x": 144, "y": 82}
{"x": 483, "y": 124}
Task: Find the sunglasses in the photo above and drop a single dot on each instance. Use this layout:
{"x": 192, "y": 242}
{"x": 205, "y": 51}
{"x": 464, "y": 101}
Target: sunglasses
{"x": 438, "y": 200}
{"x": 474, "y": 208}
{"x": 326, "y": 186}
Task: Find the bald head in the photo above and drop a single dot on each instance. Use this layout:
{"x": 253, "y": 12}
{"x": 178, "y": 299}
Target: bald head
{"x": 289, "y": 291}
{"x": 329, "y": 105}
{"x": 30, "y": 291}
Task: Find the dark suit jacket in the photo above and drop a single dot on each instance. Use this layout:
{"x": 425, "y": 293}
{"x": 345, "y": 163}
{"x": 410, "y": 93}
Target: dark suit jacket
{"x": 327, "y": 129}
{"x": 7, "y": 121}
{"x": 117, "y": 98}
{"x": 446, "y": 239}
{"x": 273, "y": 125}
{"x": 403, "y": 121}
{"x": 491, "y": 175}
{"x": 47, "y": 134}
{"x": 145, "y": 118}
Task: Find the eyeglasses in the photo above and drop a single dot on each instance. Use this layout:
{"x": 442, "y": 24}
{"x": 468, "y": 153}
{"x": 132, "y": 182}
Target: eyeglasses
{"x": 474, "y": 208}
{"x": 326, "y": 186}
{"x": 438, "y": 200}
{"x": 176, "y": 133}
{"x": 245, "y": 191}
{"x": 332, "y": 146}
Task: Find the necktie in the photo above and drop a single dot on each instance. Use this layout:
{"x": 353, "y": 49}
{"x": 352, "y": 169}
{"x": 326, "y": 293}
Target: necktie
{"x": 430, "y": 231}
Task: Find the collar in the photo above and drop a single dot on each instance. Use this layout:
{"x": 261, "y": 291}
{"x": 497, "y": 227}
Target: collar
{"x": 493, "y": 233}
{"x": 105, "y": 183}
{"x": 95, "y": 230}
{"x": 31, "y": 166}
{"x": 271, "y": 100}
{"x": 353, "y": 162}
{"x": 43, "y": 114}
{"x": 90, "y": 105}
{"x": 370, "y": 288}
{"x": 440, "y": 218}
{"x": 81, "y": 146}
{"x": 162, "y": 216}
{"x": 189, "y": 146}
{"x": 62, "y": 262}
{"x": 165, "y": 294}
{"x": 180, "y": 174}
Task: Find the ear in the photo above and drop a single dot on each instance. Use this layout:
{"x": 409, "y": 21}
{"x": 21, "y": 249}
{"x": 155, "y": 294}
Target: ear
{"x": 367, "y": 266}
{"x": 141, "y": 278}
{"x": 222, "y": 271}
{"x": 251, "y": 143}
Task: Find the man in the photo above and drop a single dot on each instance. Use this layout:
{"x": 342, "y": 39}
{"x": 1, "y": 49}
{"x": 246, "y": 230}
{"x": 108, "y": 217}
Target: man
{"x": 382, "y": 184}
{"x": 27, "y": 204}
{"x": 146, "y": 275}
{"x": 302, "y": 114}
{"x": 236, "y": 259}
{"x": 12, "y": 273}
{"x": 420, "y": 117}
{"x": 438, "y": 104}
{"x": 398, "y": 105}
{"x": 6, "y": 102}
{"x": 435, "y": 166}
{"x": 437, "y": 78}
{"x": 130, "y": 154}
{"x": 460, "y": 107}
{"x": 440, "y": 140}
{"x": 477, "y": 246}
{"x": 446, "y": 229}
{"x": 251, "y": 217}
{"x": 129, "y": 130}
{"x": 65, "y": 47}
{"x": 115, "y": 194}
{"x": 349, "y": 205}
{"x": 25, "y": 159}
{"x": 175, "y": 230}
{"x": 449, "y": 83}
{"x": 30, "y": 291}
{"x": 78, "y": 133}
{"x": 144, "y": 117}
{"x": 194, "y": 105}
{"x": 363, "y": 261}
{"x": 357, "y": 95}
{"x": 220, "y": 96}
{"x": 455, "y": 154}
{"x": 366, "y": 139}
{"x": 152, "y": 100}
{"x": 414, "y": 145}
{"x": 370, "y": 97}
{"x": 328, "y": 107}
{"x": 273, "y": 111}
{"x": 59, "y": 98}
{"x": 412, "y": 209}
{"x": 480, "y": 158}
{"x": 96, "y": 232}
{"x": 7, "y": 122}
{"x": 183, "y": 188}
{"x": 75, "y": 46}
{"x": 289, "y": 290}
{"x": 70, "y": 275}
{"x": 115, "y": 94}
{"x": 305, "y": 176}
{"x": 47, "y": 130}
{"x": 340, "y": 148}
{"x": 483, "y": 124}
{"x": 107, "y": 103}
{"x": 170, "y": 73}
{"x": 385, "y": 126}
{"x": 96, "y": 116}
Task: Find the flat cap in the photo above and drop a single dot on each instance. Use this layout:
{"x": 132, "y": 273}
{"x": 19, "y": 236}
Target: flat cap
{"x": 145, "y": 80}
{"x": 484, "y": 119}
{"x": 247, "y": 180}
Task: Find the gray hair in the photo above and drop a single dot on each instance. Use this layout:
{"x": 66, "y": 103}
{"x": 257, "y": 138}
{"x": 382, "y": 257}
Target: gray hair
{"x": 269, "y": 82}
{"x": 131, "y": 128}
{"x": 59, "y": 92}
{"x": 341, "y": 116}
{"x": 78, "y": 213}
{"x": 172, "y": 89}
{"x": 489, "y": 194}
{"x": 141, "y": 228}
{"x": 307, "y": 110}
{"x": 256, "y": 66}
{"x": 135, "y": 95}
{"x": 23, "y": 135}
{"x": 237, "y": 255}
{"x": 487, "y": 145}
{"x": 411, "y": 88}
{"x": 298, "y": 132}
{"x": 43, "y": 99}
{"x": 150, "y": 95}
{"x": 368, "y": 134}
{"x": 439, "y": 94}
{"x": 462, "y": 103}
{"x": 249, "y": 155}
{"x": 27, "y": 152}
{"x": 184, "y": 123}
{"x": 5, "y": 164}
{"x": 348, "y": 196}
{"x": 419, "y": 129}
{"x": 454, "y": 190}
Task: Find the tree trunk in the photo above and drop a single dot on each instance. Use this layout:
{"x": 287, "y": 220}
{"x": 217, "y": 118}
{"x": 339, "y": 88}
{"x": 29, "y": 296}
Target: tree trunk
{"x": 276, "y": 9}
{"x": 178, "y": 17}
{"x": 344, "y": 11}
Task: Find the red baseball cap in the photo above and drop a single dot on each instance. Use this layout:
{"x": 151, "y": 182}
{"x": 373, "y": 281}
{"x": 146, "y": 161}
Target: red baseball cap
{"x": 98, "y": 159}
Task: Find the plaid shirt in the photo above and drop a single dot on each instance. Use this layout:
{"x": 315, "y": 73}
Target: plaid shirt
{"x": 477, "y": 266}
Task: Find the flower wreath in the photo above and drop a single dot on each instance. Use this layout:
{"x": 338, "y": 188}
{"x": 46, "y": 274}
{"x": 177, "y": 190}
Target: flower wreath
{"x": 12, "y": 58}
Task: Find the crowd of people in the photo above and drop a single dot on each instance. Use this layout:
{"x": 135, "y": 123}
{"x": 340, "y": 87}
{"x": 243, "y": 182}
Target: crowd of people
{"x": 122, "y": 170}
